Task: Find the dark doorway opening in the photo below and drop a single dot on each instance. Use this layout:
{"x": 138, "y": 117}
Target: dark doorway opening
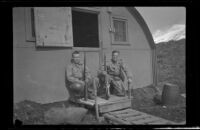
{"x": 85, "y": 29}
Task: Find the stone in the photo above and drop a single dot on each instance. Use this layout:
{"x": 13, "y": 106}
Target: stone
{"x": 70, "y": 115}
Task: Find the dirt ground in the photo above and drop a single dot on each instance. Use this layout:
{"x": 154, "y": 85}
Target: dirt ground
{"x": 33, "y": 113}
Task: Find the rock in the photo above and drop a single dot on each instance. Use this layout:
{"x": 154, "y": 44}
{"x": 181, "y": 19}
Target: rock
{"x": 70, "y": 115}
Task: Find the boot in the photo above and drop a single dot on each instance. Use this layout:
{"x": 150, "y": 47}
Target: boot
{"x": 91, "y": 96}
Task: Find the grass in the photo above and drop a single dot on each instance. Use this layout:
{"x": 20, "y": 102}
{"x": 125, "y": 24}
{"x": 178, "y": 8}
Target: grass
{"x": 171, "y": 63}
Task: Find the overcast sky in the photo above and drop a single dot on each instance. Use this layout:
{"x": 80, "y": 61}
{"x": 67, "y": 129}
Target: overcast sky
{"x": 160, "y": 18}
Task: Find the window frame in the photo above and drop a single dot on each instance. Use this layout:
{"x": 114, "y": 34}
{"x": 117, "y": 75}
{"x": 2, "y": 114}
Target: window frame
{"x": 119, "y": 18}
{"x": 29, "y": 24}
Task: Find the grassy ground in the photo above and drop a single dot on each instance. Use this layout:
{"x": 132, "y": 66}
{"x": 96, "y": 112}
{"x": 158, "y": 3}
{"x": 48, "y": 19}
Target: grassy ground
{"x": 171, "y": 63}
{"x": 171, "y": 69}
{"x": 33, "y": 113}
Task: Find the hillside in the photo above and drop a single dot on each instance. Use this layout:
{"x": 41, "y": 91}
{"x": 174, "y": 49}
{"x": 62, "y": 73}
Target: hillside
{"x": 175, "y": 32}
{"x": 171, "y": 63}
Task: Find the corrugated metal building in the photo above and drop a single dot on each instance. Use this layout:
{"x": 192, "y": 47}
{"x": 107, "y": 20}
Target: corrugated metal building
{"x": 44, "y": 38}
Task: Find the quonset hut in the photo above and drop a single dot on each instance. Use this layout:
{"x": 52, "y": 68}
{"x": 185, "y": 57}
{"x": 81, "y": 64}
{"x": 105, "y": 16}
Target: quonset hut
{"x": 44, "y": 38}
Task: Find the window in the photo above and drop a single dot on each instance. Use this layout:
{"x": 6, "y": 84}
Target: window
{"x": 62, "y": 26}
{"x": 120, "y": 32}
{"x": 85, "y": 29}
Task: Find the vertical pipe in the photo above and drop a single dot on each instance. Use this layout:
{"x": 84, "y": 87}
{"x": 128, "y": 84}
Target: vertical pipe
{"x": 155, "y": 67}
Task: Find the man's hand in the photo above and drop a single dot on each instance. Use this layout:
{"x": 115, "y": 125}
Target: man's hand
{"x": 129, "y": 80}
{"x": 81, "y": 82}
{"x": 104, "y": 72}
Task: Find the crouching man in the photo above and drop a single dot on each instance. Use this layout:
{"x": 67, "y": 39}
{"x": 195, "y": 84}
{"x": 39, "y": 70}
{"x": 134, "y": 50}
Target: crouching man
{"x": 115, "y": 74}
{"x": 74, "y": 78}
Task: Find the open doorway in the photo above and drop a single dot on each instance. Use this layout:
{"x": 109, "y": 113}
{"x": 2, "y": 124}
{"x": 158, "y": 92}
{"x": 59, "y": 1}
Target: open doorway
{"x": 85, "y": 29}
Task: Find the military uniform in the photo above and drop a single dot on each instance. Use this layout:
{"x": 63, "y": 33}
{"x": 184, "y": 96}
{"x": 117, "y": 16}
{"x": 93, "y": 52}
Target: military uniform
{"x": 74, "y": 75}
{"x": 116, "y": 77}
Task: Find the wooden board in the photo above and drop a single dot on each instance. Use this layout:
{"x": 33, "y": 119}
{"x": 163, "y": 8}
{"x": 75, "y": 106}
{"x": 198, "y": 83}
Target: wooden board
{"x": 116, "y": 120}
{"x": 122, "y": 111}
{"x": 112, "y": 99}
{"x": 88, "y": 102}
{"x": 114, "y": 103}
{"x": 53, "y": 26}
{"x": 102, "y": 101}
{"x": 126, "y": 115}
{"x": 160, "y": 122}
{"x": 117, "y": 105}
{"x": 130, "y": 116}
{"x": 137, "y": 117}
{"x": 147, "y": 120}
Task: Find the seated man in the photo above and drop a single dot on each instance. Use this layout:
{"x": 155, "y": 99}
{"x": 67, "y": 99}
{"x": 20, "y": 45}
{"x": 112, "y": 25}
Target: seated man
{"x": 74, "y": 78}
{"x": 115, "y": 73}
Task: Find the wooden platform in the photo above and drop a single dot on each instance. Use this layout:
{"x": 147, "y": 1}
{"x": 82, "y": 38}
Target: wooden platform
{"x": 114, "y": 103}
{"x": 133, "y": 117}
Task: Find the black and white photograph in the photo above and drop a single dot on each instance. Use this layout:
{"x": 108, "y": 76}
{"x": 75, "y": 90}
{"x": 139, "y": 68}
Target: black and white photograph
{"x": 106, "y": 65}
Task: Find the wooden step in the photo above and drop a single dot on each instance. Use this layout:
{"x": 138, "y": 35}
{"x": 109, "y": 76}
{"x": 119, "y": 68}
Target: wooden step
{"x": 114, "y": 103}
{"x": 115, "y": 120}
{"x": 130, "y": 116}
{"x": 127, "y": 115}
{"x": 125, "y": 111}
{"x": 137, "y": 117}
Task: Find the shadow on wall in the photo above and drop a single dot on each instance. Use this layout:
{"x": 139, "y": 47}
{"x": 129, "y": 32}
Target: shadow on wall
{"x": 67, "y": 86}
{"x": 46, "y": 48}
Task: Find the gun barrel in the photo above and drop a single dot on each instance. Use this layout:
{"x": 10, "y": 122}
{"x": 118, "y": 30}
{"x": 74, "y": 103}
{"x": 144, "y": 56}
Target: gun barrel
{"x": 106, "y": 82}
{"x": 105, "y": 63}
{"x": 84, "y": 76}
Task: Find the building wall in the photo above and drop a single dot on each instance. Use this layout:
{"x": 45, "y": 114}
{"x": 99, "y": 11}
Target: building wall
{"x": 39, "y": 72}
{"x": 136, "y": 36}
{"x": 137, "y": 55}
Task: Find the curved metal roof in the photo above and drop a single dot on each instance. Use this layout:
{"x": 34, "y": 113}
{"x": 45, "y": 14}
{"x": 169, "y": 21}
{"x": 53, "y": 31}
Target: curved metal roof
{"x": 143, "y": 25}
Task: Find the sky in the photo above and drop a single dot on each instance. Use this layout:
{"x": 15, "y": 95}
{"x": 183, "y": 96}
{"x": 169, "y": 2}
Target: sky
{"x": 164, "y": 20}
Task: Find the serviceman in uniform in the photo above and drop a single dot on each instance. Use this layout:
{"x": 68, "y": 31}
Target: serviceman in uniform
{"x": 75, "y": 81}
{"x": 115, "y": 74}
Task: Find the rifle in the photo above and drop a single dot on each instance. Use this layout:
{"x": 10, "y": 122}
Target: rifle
{"x": 84, "y": 77}
{"x": 106, "y": 81}
{"x": 123, "y": 76}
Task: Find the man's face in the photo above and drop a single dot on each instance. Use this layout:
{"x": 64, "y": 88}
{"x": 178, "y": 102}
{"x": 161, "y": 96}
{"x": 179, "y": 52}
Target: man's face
{"x": 76, "y": 58}
{"x": 115, "y": 56}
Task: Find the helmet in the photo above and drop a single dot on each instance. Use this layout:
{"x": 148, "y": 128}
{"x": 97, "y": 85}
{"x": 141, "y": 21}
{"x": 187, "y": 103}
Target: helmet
{"x": 77, "y": 87}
